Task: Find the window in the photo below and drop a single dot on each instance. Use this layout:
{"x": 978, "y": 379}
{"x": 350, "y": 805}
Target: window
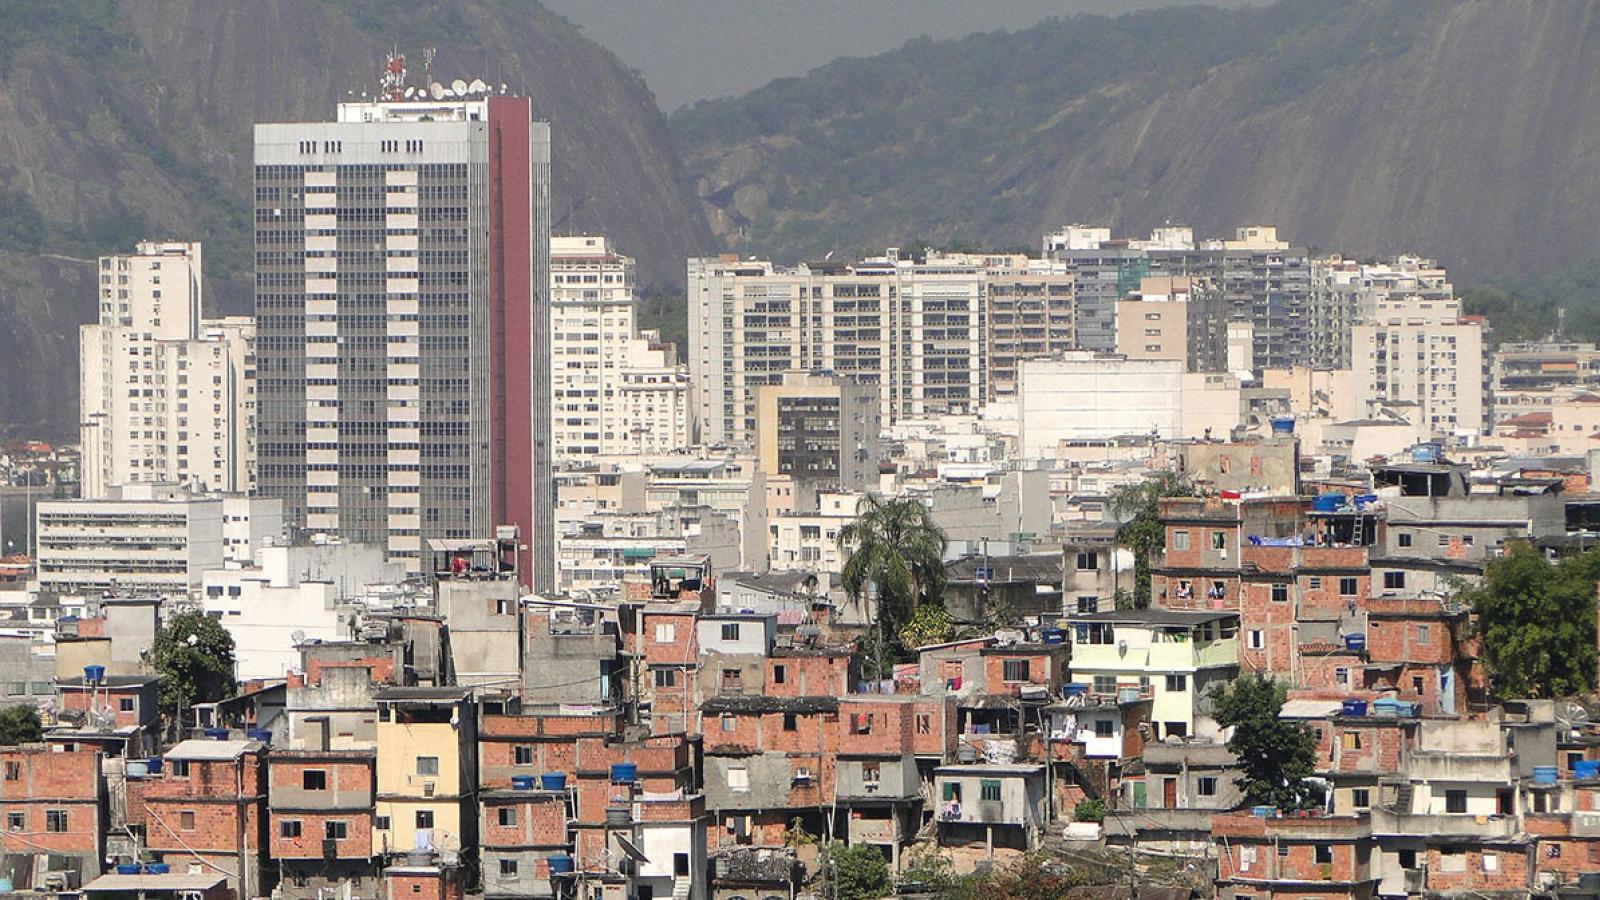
{"x": 1347, "y": 587}
{"x": 1314, "y": 582}
{"x": 125, "y": 704}
{"x": 1014, "y": 670}
{"x": 732, "y": 680}
{"x": 314, "y": 780}
{"x": 1416, "y": 685}
{"x": 186, "y": 820}
{"x": 666, "y": 678}
{"x": 507, "y": 815}
{"x": 1394, "y": 581}
{"x": 13, "y": 771}
{"x": 1361, "y": 798}
{"x": 1404, "y": 539}
{"x": 1424, "y": 634}
{"x": 1219, "y": 540}
{"x": 1324, "y": 854}
{"x": 1341, "y": 676}
{"x": 522, "y": 754}
{"x": 1105, "y": 684}
{"x": 925, "y": 726}
{"x": 1350, "y": 740}
{"x": 1176, "y": 683}
{"x": 666, "y": 634}
{"x": 1104, "y": 728}
{"x": 739, "y": 779}
{"x": 380, "y": 822}
{"x": 1455, "y": 801}
{"x": 791, "y": 722}
{"x": 989, "y": 789}
{"x": 861, "y": 723}
{"x": 335, "y": 830}
{"x": 424, "y": 818}
{"x": 427, "y": 765}
{"x": 1255, "y": 639}
{"x": 1088, "y": 561}
{"x": 1088, "y": 604}
{"x": 289, "y": 828}
{"x": 508, "y": 868}
{"x": 871, "y": 773}
{"x": 1206, "y": 786}
{"x": 778, "y": 674}
{"x": 1452, "y": 861}
{"x": 730, "y": 723}
{"x": 1280, "y": 593}
{"x": 55, "y": 820}
{"x": 730, "y": 631}
{"x": 1491, "y": 862}
{"x": 1180, "y": 540}
{"x": 680, "y": 864}
{"x": 1283, "y": 849}
{"x": 1407, "y": 859}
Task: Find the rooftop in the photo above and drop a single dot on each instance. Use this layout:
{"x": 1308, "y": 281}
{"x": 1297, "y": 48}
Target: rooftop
{"x": 1155, "y": 616}
{"x": 171, "y": 881}
{"x": 422, "y": 694}
{"x": 761, "y": 703}
{"x": 201, "y": 751}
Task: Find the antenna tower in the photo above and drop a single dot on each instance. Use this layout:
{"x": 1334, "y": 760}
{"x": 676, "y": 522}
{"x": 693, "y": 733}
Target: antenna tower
{"x": 392, "y": 81}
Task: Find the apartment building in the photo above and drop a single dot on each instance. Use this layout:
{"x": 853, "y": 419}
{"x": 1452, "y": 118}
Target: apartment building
{"x": 1346, "y": 292}
{"x": 820, "y": 429}
{"x": 55, "y": 824}
{"x": 165, "y": 394}
{"x": 619, "y": 391}
{"x": 207, "y": 811}
{"x": 1427, "y": 354}
{"x": 148, "y": 538}
{"x": 402, "y": 273}
{"x": 912, "y": 327}
{"x": 1154, "y": 322}
{"x": 319, "y": 805}
{"x": 426, "y": 771}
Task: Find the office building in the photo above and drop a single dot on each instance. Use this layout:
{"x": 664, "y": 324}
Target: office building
{"x": 402, "y": 301}
{"x": 165, "y": 394}
{"x": 618, "y": 391}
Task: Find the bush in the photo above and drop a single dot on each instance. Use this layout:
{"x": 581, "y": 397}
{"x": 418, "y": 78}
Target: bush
{"x": 858, "y": 872}
{"x": 1089, "y": 809}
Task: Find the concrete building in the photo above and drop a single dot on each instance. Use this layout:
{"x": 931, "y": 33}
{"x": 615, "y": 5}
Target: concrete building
{"x": 427, "y": 771}
{"x": 1346, "y": 292}
{"x": 293, "y": 594}
{"x": 319, "y": 805}
{"x": 913, "y": 327}
{"x": 477, "y": 594}
{"x": 207, "y": 809}
{"x": 165, "y": 394}
{"x": 1154, "y": 322}
{"x": 1172, "y": 656}
{"x": 146, "y": 538}
{"x": 618, "y": 391}
{"x": 1425, "y": 352}
{"x": 1081, "y": 394}
{"x": 404, "y": 386}
{"x": 604, "y": 551}
{"x": 819, "y": 428}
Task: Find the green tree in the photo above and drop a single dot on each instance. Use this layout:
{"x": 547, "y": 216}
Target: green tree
{"x": 1089, "y": 809}
{"x": 928, "y": 869}
{"x": 20, "y": 725}
{"x": 930, "y": 624}
{"x": 1276, "y": 755}
{"x": 1537, "y": 621}
{"x": 194, "y": 657}
{"x": 857, "y": 871}
{"x": 1138, "y": 507}
{"x": 894, "y": 546}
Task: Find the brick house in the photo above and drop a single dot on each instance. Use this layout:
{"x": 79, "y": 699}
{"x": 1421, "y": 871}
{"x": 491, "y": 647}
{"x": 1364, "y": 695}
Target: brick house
{"x": 207, "y": 812}
{"x": 52, "y": 810}
{"x": 320, "y": 830}
{"x": 1293, "y": 857}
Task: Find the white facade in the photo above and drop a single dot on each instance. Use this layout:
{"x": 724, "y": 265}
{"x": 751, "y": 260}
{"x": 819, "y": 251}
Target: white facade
{"x": 1415, "y": 350}
{"x": 294, "y": 590}
{"x": 598, "y": 554}
{"x": 1083, "y": 395}
{"x": 145, "y": 539}
{"x": 618, "y": 391}
{"x": 164, "y": 395}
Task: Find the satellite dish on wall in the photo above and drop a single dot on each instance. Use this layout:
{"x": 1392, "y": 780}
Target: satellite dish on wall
{"x": 298, "y": 636}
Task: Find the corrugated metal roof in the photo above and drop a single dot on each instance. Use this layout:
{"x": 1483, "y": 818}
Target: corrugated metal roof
{"x": 212, "y": 750}
{"x": 171, "y": 881}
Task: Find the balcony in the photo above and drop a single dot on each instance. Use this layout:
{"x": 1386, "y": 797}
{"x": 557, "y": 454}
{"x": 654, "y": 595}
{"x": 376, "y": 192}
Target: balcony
{"x": 1386, "y": 822}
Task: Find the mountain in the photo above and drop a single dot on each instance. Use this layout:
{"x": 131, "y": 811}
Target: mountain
{"x": 130, "y": 119}
{"x": 1462, "y": 130}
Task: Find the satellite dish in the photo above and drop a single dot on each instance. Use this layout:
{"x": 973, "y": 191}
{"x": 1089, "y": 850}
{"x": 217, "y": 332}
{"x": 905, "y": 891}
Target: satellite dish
{"x": 458, "y": 86}
{"x": 477, "y": 86}
{"x": 409, "y": 91}
{"x": 437, "y": 90}
{"x": 298, "y": 636}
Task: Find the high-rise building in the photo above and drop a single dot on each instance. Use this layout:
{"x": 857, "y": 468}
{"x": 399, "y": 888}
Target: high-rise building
{"x": 1154, "y": 322}
{"x": 165, "y": 395}
{"x": 1426, "y": 355}
{"x": 402, "y": 289}
{"x": 619, "y": 391}
{"x": 819, "y": 428}
{"x": 933, "y": 334}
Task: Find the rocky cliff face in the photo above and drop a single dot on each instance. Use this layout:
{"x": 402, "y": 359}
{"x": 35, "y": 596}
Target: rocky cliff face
{"x": 1464, "y": 130}
{"x": 130, "y": 119}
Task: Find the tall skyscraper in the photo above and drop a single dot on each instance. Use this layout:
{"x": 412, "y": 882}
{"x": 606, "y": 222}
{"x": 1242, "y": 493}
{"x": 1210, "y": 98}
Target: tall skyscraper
{"x": 165, "y": 395}
{"x": 402, "y": 301}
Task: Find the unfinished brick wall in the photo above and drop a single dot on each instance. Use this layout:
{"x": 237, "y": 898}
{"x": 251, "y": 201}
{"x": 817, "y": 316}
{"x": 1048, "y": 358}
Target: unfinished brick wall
{"x": 1511, "y": 874}
{"x": 539, "y": 820}
{"x": 34, "y": 783}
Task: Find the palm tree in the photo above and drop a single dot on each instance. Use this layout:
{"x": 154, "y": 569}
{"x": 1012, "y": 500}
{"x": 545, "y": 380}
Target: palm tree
{"x": 894, "y": 545}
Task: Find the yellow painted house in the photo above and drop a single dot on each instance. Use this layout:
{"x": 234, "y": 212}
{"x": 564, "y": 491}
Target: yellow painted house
{"x": 427, "y": 757}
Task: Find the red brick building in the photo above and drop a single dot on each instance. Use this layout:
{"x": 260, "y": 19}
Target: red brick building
{"x": 207, "y": 811}
{"x": 320, "y": 807}
{"x": 51, "y": 809}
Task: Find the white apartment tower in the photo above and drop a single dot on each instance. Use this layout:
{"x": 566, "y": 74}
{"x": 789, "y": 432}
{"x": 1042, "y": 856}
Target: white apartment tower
{"x": 402, "y": 290}
{"x": 1423, "y": 353}
{"x": 618, "y": 391}
{"x": 165, "y": 395}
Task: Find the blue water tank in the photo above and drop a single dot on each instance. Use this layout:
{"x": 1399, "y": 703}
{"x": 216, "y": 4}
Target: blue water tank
{"x": 1053, "y": 636}
{"x": 128, "y": 868}
{"x": 1353, "y": 707}
{"x": 1426, "y": 453}
{"x": 1362, "y": 501}
{"x": 155, "y": 763}
{"x": 1386, "y": 706}
{"x": 624, "y": 773}
{"x": 522, "y": 782}
{"x": 1075, "y": 689}
{"x": 1283, "y": 424}
{"x": 1586, "y": 769}
{"x": 264, "y": 735}
{"x": 1263, "y": 812}
{"x": 1355, "y": 642}
{"x": 94, "y": 674}
{"x": 560, "y": 864}
{"x": 217, "y": 734}
{"x": 553, "y": 781}
{"x": 157, "y": 868}
{"x": 1545, "y": 774}
{"x": 1329, "y": 502}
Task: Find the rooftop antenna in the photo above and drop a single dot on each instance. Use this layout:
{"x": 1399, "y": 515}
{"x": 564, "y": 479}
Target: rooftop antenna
{"x": 392, "y": 81}
{"x": 427, "y": 62}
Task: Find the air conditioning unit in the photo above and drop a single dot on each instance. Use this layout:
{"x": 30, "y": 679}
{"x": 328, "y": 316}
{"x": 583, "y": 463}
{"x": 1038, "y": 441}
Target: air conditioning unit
{"x": 427, "y": 788}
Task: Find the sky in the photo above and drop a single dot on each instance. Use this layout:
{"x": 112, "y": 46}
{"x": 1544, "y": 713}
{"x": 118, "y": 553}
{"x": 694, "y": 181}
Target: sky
{"x": 693, "y": 50}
